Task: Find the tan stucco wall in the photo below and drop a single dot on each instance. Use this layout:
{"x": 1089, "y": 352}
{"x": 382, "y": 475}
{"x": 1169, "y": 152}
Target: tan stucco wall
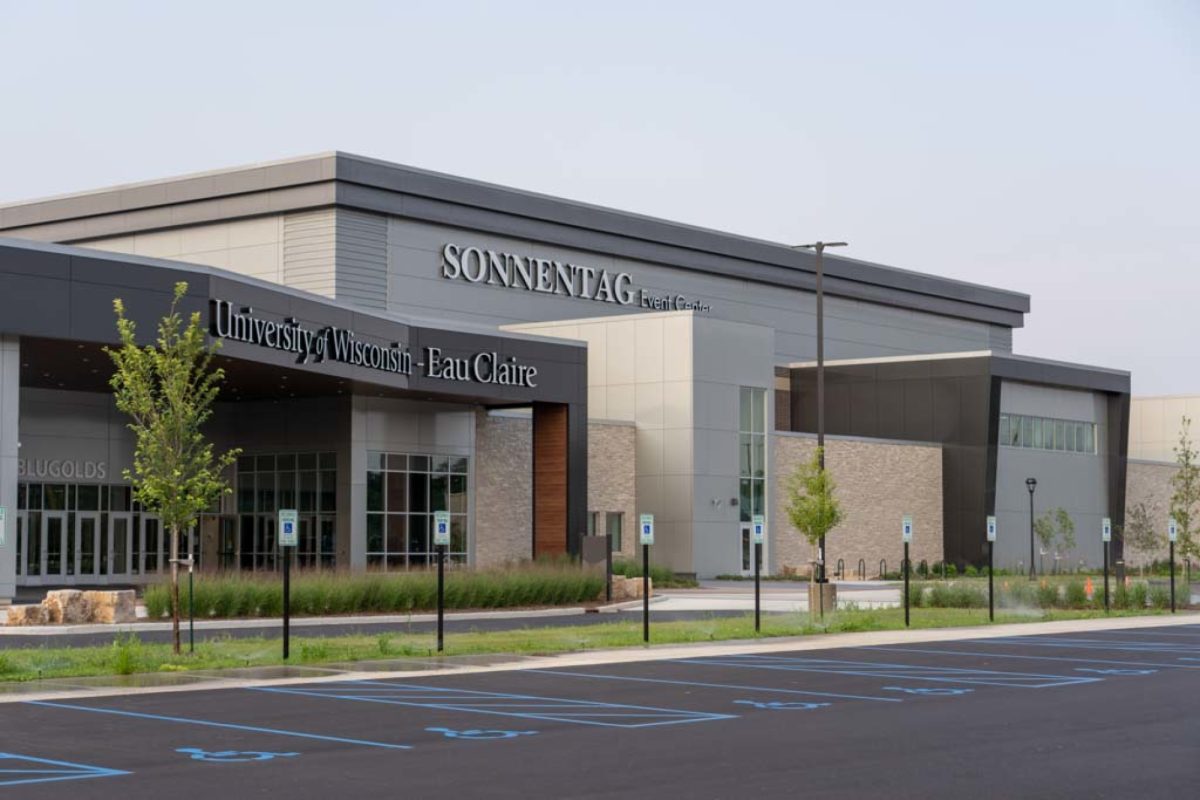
{"x": 1155, "y": 424}
{"x": 503, "y": 489}
{"x": 1149, "y": 483}
{"x": 877, "y": 484}
{"x": 612, "y": 484}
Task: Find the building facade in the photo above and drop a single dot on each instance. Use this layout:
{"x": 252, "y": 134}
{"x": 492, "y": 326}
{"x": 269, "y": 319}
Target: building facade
{"x": 680, "y": 383}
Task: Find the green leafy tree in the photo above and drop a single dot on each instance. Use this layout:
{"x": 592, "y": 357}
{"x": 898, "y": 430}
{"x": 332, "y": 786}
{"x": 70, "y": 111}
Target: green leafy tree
{"x": 813, "y": 508}
{"x": 168, "y": 389}
{"x": 1066, "y": 530}
{"x": 1139, "y": 529}
{"x": 1185, "y": 495}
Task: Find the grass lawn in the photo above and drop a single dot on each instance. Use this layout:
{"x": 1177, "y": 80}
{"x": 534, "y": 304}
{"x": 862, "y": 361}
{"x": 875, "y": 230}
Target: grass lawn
{"x": 127, "y": 655}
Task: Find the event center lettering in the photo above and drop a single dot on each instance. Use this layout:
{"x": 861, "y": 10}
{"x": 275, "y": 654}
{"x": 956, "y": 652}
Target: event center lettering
{"x": 547, "y": 276}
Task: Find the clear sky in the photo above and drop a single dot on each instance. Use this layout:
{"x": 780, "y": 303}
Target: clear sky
{"x": 1048, "y": 146}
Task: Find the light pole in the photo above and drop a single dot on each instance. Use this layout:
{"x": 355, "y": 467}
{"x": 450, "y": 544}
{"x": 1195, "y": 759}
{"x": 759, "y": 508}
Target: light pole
{"x": 1031, "y": 485}
{"x": 819, "y": 249}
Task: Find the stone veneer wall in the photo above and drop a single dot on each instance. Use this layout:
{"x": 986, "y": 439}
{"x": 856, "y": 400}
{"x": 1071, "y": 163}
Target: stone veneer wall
{"x": 1150, "y": 483}
{"x": 504, "y": 484}
{"x": 612, "y": 484}
{"x": 877, "y": 483}
{"x": 503, "y": 489}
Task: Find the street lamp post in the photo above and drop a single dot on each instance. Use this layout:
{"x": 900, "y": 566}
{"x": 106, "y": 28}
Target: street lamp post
{"x": 819, "y": 249}
{"x": 1031, "y": 485}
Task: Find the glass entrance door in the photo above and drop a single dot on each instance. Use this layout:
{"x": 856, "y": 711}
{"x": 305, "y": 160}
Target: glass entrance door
{"x": 87, "y": 546}
{"x": 120, "y": 524}
{"x": 54, "y": 544}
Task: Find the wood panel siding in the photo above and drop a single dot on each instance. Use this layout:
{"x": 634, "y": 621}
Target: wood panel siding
{"x": 549, "y": 479}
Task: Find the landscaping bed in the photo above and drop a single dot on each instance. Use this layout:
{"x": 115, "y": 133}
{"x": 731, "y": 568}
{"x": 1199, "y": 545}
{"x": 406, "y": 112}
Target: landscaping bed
{"x": 331, "y": 593}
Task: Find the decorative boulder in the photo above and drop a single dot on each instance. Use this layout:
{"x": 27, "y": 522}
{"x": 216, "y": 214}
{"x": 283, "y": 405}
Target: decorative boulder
{"x": 110, "y": 608}
{"x": 27, "y": 615}
{"x": 68, "y": 606}
{"x": 626, "y": 589}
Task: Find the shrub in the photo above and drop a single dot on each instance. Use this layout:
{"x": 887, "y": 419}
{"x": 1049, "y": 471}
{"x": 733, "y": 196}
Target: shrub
{"x": 951, "y": 571}
{"x": 1160, "y": 596}
{"x": 1075, "y": 595}
{"x": 1046, "y": 595}
{"x": 663, "y": 577}
{"x": 1017, "y": 593}
{"x": 956, "y": 595}
{"x": 319, "y": 593}
{"x": 970, "y": 571}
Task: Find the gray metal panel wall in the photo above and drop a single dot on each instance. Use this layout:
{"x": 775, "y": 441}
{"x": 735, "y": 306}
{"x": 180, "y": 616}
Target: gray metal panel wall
{"x": 361, "y": 260}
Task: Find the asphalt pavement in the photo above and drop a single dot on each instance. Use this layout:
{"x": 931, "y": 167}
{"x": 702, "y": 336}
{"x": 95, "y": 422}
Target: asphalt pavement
{"x": 1103, "y": 713}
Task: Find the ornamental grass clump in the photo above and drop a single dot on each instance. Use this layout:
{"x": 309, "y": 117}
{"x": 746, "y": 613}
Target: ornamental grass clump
{"x": 335, "y": 593}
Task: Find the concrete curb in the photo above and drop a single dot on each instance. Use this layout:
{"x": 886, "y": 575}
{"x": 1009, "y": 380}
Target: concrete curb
{"x": 632, "y": 655}
{"x": 296, "y": 622}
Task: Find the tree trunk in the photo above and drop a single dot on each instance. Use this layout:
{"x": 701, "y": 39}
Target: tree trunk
{"x": 175, "y": 589}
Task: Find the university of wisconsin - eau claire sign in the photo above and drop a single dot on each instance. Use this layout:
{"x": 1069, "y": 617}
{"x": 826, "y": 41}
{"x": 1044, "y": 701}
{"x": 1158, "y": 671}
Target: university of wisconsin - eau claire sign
{"x": 330, "y": 343}
{"x": 545, "y": 276}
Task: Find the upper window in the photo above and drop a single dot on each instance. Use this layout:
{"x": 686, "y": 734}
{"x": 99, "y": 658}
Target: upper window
{"x": 1041, "y": 433}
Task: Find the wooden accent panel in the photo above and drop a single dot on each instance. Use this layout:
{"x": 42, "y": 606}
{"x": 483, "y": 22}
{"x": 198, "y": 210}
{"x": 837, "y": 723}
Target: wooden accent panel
{"x": 549, "y": 479}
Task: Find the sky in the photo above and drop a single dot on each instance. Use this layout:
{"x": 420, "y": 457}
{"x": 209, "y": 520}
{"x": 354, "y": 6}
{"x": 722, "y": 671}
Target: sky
{"x": 1050, "y": 147}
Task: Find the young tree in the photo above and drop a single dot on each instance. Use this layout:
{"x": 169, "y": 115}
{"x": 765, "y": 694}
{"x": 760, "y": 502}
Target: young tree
{"x": 1044, "y": 529}
{"x": 1055, "y": 530}
{"x": 1139, "y": 529}
{"x": 168, "y": 389}
{"x": 1185, "y": 496}
{"x": 812, "y": 507}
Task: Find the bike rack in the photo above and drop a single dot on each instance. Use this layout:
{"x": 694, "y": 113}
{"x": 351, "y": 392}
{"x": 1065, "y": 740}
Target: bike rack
{"x": 862, "y": 569}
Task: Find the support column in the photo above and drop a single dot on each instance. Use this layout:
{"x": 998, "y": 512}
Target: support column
{"x": 10, "y": 393}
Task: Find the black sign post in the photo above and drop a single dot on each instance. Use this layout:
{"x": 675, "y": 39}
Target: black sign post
{"x": 1106, "y": 546}
{"x": 646, "y": 537}
{"x": 906, "y": 584}
{"x": 757, "y": 587}
{"x": 991, "y": 582}
{"x": 287, "y": 599}
{"x": 646, "y": 593}
{"x": 191, "y": 606}
{"x": 441, "y": 558}
{"x": 1173, "y": 576}
{"x": 289, "y": 537}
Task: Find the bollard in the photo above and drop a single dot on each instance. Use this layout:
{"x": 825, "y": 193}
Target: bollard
{"x": 862, "y": 569}
{"x": 841, "y": 570}
{"x": 882, "y": 567}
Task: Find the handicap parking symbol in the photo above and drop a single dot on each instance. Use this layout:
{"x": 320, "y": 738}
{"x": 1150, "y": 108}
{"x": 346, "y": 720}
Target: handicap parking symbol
{"x": 476, "y": 733}
{"x": 781, "y": 705}
{"x": 231, "y": 756}
{"x": 1099, "y": 671}
{"x": 936, "y": 691}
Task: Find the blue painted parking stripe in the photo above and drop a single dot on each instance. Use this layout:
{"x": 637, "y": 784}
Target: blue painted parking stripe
{"x": 1096, "y": 644}
{"x": 739, "y": 688}
{"x": 226, "y": 725}
{"x": 1032, "y": 658}
{"x": 66, "y": 771}
{"x": 983, "y": 677}
{"x": 554, "y": 709}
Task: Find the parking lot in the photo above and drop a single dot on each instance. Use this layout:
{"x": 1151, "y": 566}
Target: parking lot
{"x": 1103, "y": 714}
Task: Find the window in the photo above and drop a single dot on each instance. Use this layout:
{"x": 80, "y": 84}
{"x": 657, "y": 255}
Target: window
{"x": 614, "y": 525}
{"x": 1041, "y": 433}
{"x": 403, "y": 492}
{"x": 752, "y": 445}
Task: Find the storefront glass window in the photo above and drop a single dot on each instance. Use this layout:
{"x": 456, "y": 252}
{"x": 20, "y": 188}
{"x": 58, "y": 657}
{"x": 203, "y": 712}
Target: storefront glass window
{"x": 410, "y": 488}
